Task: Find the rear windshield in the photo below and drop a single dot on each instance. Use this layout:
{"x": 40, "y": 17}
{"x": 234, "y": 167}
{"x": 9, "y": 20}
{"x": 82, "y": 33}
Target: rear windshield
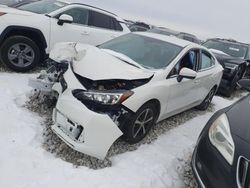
{"x": 43, "y": 7}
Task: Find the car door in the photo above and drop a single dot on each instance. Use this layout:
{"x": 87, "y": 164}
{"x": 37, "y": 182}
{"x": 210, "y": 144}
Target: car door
{"x": 183, "y": 94}
{"x": 205, "y": 74}
{"x": 77, "y": 31}
{"x": 102, "y": 28}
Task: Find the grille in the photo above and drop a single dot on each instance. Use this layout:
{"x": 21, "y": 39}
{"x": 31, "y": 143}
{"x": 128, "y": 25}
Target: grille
{"x": 243, "y": 174}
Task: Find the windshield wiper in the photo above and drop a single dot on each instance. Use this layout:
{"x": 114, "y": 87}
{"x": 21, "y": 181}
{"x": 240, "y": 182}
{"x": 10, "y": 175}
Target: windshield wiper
{"x": 128, "y": 62}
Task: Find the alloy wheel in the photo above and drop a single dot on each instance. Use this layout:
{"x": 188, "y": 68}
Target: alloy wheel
{"x": 143, "y": 123}
{"x": 21, "y": 55}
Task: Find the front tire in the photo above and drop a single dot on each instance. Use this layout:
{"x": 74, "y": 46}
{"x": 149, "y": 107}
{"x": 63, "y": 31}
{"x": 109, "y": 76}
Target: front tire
{"x": 142, "y": 122}
{"x": 207, "y": 101}
{"x": 20, "y": 53}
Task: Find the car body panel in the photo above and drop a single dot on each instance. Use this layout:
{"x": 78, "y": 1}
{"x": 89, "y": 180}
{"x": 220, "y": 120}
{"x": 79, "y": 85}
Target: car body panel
{"x": 240, "y": 121}
{"x": 53, "y": 32}
{"x": 98, "y": 64}
{"x": 99, "y": 130}
{"x": 209, "y": 166}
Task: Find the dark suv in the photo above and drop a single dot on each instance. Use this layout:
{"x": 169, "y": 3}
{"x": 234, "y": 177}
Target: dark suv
{"x": 234, "y": 57}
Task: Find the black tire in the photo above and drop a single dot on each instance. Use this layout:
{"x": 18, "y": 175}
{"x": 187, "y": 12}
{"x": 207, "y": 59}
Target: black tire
{"x": 234, "y": 82}
{"x": 207, "y": 101}
{"x": 20, "y": 53}
{"x": 131, "y": 134}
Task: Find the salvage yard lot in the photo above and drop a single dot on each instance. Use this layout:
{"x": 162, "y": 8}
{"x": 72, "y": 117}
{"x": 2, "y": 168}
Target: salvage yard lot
{"x": 25, "y": 163}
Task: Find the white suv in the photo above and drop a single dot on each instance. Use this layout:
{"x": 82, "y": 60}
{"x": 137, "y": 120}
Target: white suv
{"x": 28, "y": 33}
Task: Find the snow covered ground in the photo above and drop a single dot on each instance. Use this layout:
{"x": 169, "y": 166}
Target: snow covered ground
{"x": 25, "y": 164}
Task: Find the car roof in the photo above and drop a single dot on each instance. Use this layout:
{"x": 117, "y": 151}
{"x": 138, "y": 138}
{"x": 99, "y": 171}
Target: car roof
{"x": 170, "y": 39}
{"x": 79, "y": 2}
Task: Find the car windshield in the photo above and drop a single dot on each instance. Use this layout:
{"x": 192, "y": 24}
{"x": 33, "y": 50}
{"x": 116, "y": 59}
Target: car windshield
{"x": 234, "y": 50}
{"x": 43, "y": 7}
{"x": 148, "y": 52}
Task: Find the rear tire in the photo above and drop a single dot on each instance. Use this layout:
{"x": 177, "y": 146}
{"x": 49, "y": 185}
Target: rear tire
{"x": 207, "y": 101}
{"x": 142, "y": 122}
{"x": 20, "y": 53}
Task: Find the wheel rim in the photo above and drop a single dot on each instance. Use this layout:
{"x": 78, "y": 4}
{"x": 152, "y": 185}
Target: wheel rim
{"x": 21, "y": 55}
{"x": 143, "y": 123}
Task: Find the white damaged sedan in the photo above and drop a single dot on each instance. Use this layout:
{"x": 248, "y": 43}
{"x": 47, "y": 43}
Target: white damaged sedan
{"x": 124, "y": 86}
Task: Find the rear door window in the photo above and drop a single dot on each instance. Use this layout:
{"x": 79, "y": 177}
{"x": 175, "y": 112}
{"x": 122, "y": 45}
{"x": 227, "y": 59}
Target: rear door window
{"x": 207, "y": 61}
{"x": 97, "y": 19}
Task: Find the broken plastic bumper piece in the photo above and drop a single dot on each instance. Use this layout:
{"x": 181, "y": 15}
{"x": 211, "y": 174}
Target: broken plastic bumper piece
{"x": 83, "y": 130}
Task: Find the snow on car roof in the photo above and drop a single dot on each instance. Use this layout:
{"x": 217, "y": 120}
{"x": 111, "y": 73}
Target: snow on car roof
{"x": 170, "y": 39}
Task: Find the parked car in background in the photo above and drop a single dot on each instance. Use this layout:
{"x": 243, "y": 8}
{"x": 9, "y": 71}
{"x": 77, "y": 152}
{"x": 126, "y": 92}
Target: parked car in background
{"x": 28, "y": 33}
{"x": 124, "y": 86}
{"x": 234, "y": 57}
{"x": 170, "y": 32}
{"x": 139, "y": 26}
{"x": 164, "y": 31}
{"x": 222, "y": 156}
{"x": 189, "y": 37}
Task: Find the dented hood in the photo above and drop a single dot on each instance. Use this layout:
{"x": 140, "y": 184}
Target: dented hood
{"x": 97, "y": 64}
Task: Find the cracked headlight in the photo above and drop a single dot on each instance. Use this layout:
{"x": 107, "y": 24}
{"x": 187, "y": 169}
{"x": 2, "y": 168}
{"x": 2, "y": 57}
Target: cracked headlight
{"x": 221, "y": 138}
{"x": 230, "y": 66}
{"x": 107, "y": 98}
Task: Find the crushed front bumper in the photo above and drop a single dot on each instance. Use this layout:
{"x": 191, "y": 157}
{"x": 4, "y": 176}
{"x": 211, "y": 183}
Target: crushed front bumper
{"x": 82, "y": 129}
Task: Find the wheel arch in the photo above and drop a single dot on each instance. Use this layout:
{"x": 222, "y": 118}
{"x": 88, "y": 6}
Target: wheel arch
{"x": 34, "y": 34}
{"x": 157, "y": 105}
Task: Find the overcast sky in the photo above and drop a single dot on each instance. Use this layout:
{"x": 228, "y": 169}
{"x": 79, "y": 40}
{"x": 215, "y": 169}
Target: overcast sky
{"x": 205, "y": 18}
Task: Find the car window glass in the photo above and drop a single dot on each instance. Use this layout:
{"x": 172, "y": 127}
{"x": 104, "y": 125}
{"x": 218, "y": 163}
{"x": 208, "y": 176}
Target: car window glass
{"x": 117, "y": 25}
{"x": 79, "y": 15}
{"x": 188, "y": 61}
{"x": 100, "y": 20}
{"x": 43, "y": 7}
{"x": 149, "y": 52}
{"x": 206, "y": 61}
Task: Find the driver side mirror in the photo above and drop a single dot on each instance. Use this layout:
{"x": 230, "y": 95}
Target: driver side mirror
{"x": 186, "y": 73}
{"x": 245, "y": 84}
{"x": 64, "y": 18}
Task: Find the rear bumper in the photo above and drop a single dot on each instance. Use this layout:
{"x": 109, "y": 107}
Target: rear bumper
{"x": 82, "y": 129}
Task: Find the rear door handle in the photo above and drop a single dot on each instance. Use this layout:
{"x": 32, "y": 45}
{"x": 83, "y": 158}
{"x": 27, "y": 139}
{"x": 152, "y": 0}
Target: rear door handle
{"x": 196, "y": 81}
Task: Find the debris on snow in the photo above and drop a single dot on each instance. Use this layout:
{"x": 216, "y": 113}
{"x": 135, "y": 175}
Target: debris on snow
{"x": 43, "y": 104}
